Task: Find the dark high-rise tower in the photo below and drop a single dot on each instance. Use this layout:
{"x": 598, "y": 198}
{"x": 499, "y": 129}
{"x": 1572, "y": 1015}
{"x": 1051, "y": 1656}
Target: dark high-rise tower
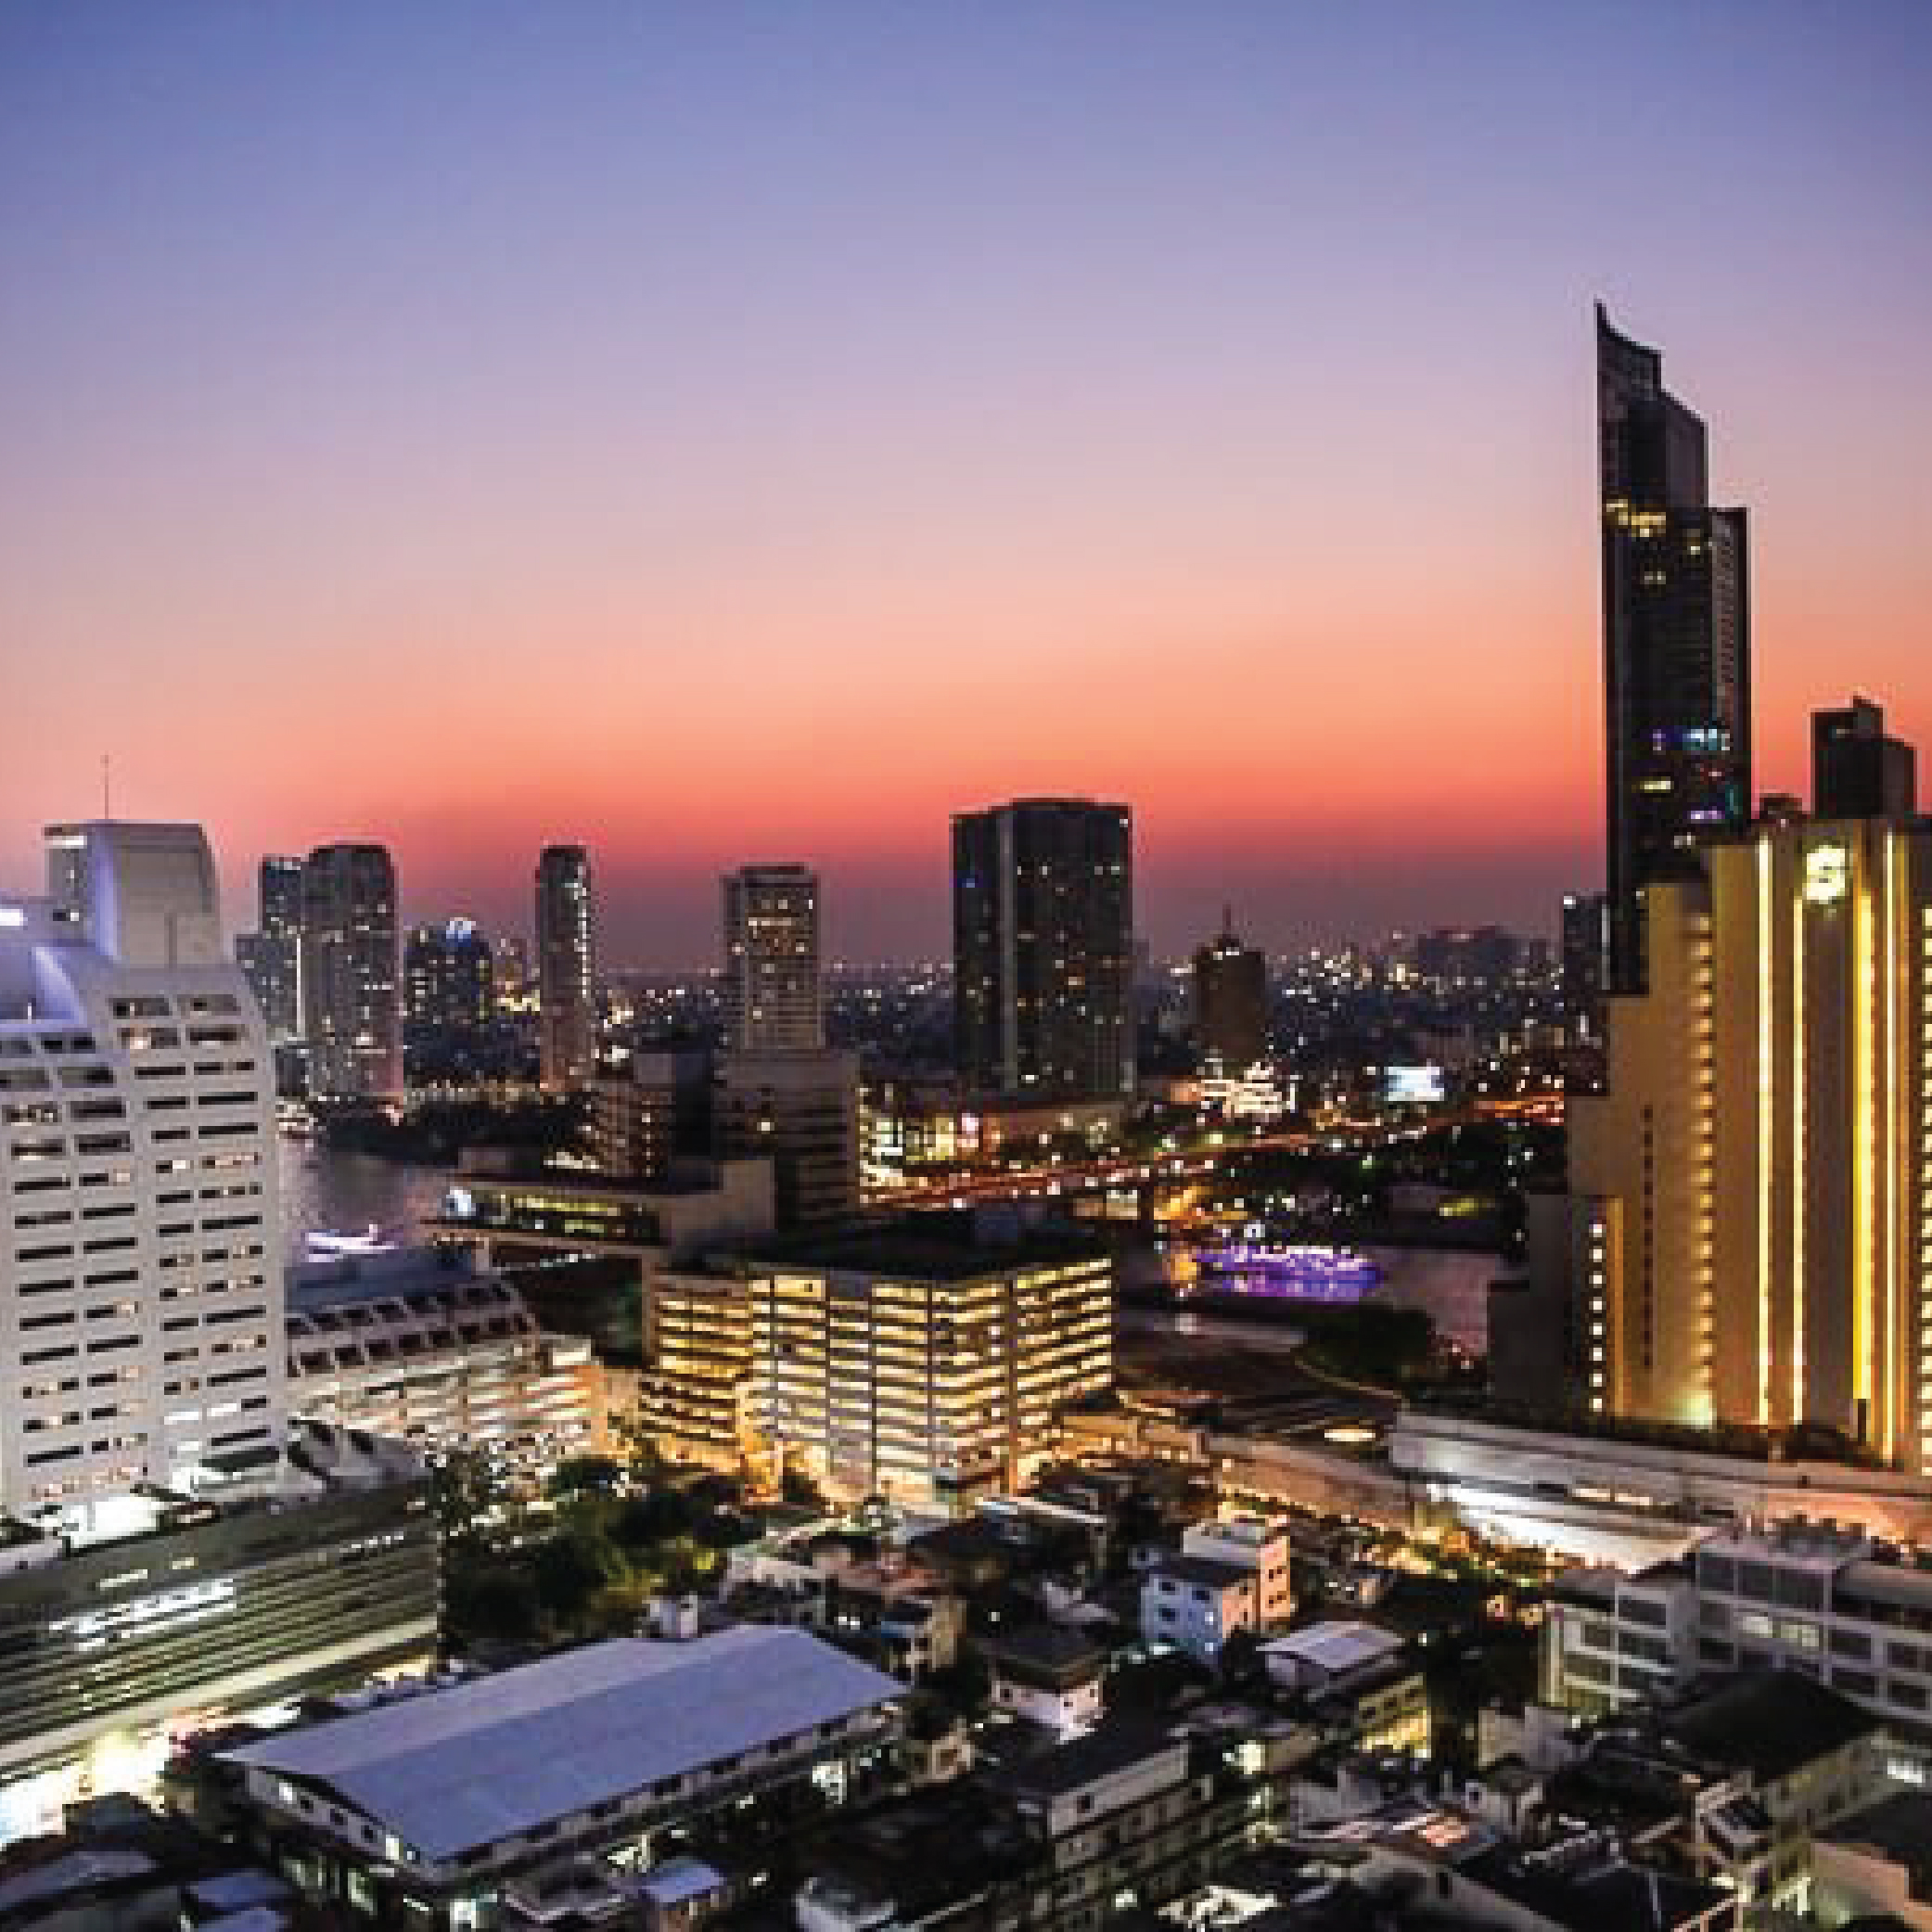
{"x": 567, "y": 989}
{"x": 1042, "y": 948}
{"x": 1857, "y": 771}
{"x": 1231, "y": 1000}
{"x": 1677, "y": 659}
{"x": 272, "y": 954}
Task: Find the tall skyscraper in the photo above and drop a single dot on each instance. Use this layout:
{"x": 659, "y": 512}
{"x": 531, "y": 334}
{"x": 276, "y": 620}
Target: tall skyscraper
{"x": 271, "y": 955}
{"x": 1042, "y": 948}
{"x": 566, "y": 968}
{"x": 1750, "y": 1228}
{"x": 1231, "y": 1000}
{"x": 352, "y": 1005}
{"x": 1857, "y": 771}
{"x": 141, "y": 1319}
{"x": 1677, "y": 661}
{"x": 772, "y": 996}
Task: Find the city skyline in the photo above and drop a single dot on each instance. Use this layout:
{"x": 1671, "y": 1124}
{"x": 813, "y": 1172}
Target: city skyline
{"x": 986, "y": 442}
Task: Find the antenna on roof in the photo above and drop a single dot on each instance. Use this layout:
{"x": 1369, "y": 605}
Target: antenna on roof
{"x": 107, "y": 785}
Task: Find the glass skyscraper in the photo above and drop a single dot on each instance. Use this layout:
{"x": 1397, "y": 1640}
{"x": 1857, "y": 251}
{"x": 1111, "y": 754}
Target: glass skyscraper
{"x": 1677, "y": 678}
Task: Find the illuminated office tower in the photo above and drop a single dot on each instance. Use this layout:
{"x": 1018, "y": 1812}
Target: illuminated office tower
{"x": 1042, "y": 947}
{"x": 772, "y": 996}
{"x": 140, "y": 1253}
{"x": 271, "y": 955}
{"x": 1751, "y": 1200}
{"x": 352, "y": 1005}
{"x": 1677, "y": 663}
{"x": 1231, "y": 1000}
{"x": 566, "y": 968}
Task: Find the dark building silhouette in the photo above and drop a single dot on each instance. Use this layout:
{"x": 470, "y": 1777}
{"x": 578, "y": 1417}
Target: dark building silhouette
{"x": 1857, "y": 771}
{"x": 567, "y": 989}
{"x": 1042, "y": 947}
{"x": 1231, "y": 1000}
{"x": 271, "y": 955}
{"x": 1584, "y": 966}
{"x": 1676, "y": 681}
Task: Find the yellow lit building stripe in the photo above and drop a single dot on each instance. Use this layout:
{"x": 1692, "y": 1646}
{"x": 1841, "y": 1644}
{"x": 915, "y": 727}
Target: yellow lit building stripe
{"x": 1765, "y": 1127}
{"x": 1864, "y": 1098}
{"x": 1886, "y": 963}
{"x": 1798, "y": 1156}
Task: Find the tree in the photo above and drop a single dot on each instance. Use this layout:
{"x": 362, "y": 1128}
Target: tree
{"x": 467, "y": 1490}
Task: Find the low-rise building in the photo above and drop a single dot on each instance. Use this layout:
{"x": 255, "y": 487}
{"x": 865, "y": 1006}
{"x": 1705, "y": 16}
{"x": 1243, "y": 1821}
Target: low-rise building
{"x": 1229, "y": 1575}
{"x": 423, "y": 1344}
{"x": 1462, "y": 1871}
{"x": 428, "y": 1807}
{"x": 1876, "y": 1864}
{"x": 1048, "y": 1673}
{"x": 312, "y": 1569}
{"x": 1358, "y": 1681}
{"x": 1636, "y": 1493}
{"x": 1827, "y": 1604}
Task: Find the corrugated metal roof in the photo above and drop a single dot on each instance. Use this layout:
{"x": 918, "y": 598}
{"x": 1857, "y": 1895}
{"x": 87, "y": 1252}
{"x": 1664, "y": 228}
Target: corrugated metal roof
{"x": 452, "y": 1770}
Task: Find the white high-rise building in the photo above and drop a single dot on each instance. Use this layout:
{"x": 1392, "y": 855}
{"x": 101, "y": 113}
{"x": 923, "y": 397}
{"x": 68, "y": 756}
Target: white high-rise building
{"x": 773, "y": 1001}
{"x": 567, "y": 1026}
{"x": 141, "y": 1304}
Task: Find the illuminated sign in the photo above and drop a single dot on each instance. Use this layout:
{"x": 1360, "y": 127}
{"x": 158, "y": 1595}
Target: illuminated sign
{"x": 1827, "y": 872}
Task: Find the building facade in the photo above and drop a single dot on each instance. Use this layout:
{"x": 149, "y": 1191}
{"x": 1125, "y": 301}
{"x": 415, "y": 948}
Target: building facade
{"x": 1677, "y": 667}
{"x": 1857, "y": 769}
{"x": 1042, "y": 947}
{"x": 921, "y": 1365}
{"x": 271, "y": 955}
{"x": 1751, "y": 1241}
{"x": 421, "y": 1344}
{"x": 140, "y": 1286}
{"x": 1828, "y": 1603}
{"x": 320, "y": 1569}
{"x": 800, "y": 1110}
{"x": 567, "y": 970}
{"x": 351, "y": 995}
{"x": 1231, "y": 1003}
{"x": 773, "y": 997}
{"x": 449, "y": 982}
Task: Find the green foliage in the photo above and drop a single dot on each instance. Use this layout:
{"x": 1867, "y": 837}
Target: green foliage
{"x": 585, "y": 1475}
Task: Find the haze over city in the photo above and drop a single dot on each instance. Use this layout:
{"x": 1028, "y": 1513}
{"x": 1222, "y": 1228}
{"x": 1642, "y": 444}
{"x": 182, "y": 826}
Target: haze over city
{"x": 740, "y": 432}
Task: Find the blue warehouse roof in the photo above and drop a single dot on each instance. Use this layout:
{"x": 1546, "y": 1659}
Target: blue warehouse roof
{"x": 451, "y": 1771}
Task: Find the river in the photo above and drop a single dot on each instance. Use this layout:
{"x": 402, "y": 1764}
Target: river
{"x": 325, "y": 1189}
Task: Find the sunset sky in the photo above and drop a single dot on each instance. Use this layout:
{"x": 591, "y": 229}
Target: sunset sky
{"x": 718, "y": 431}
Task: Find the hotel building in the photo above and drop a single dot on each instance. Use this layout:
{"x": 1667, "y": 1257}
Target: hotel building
{"x": 1751, "y": 1200}
{"x": 168, "y": 1547}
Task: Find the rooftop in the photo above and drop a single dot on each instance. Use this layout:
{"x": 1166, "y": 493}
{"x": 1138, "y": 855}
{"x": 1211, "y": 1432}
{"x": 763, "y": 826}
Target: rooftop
{"x": 451, "y": 1769}
{"x": 1900, "y": 1827}
{"x": 934, "y": 1247}
{"x": 1208, "y": 1572}
{"x": 1770, "y": 1721}
{"x": 1115, "y": 1745}
{"x": 1335, "y": 1648}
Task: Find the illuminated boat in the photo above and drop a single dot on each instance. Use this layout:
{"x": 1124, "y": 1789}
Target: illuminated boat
{"x": 1290, "y": 1271}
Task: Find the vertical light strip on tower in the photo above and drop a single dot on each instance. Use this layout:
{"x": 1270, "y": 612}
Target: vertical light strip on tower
{"x": 1798, "y": 1156}
{"x": 1766, "y": 981}
{"x": 1888, "y": 964}
{"x": 1863, "y": 1099}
